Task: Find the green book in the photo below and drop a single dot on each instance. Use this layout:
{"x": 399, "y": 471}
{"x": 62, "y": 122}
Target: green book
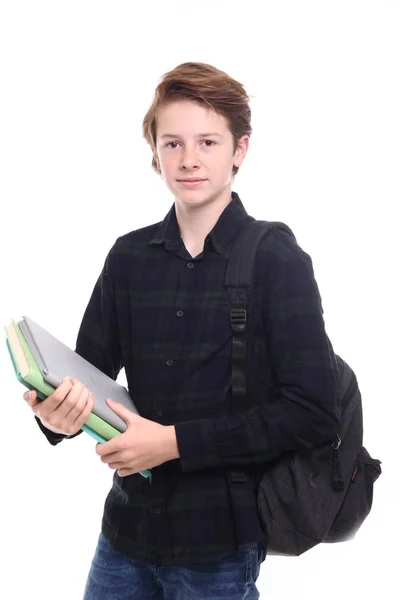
{"x": 29, "y": 374}
{"x": 33, "y": 379}
{"x": 94, "y": 426}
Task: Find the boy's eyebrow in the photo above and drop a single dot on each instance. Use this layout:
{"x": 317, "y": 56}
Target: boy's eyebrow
{"x": 171, "y": 135}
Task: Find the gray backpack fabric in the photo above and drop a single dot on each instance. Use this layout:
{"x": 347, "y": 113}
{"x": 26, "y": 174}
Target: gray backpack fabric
{"x": 304, "y": 498}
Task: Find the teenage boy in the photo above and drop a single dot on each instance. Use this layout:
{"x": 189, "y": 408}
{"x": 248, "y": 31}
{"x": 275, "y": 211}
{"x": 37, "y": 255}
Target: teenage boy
{"x": 160, "y": 310}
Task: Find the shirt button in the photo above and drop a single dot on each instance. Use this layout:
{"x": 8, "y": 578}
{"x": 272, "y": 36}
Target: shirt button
{"x": 190, "y": 265}
{"x": 159, "y": 412}
{"x": 157, "y": 511}
{"x": 179, "y": 313}
{"x": 170, "y": 362}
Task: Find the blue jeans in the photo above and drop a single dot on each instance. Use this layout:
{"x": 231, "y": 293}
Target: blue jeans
{"x": 114, "y": 576}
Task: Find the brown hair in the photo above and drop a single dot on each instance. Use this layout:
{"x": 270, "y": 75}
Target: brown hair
{"x": 206, "y": 85}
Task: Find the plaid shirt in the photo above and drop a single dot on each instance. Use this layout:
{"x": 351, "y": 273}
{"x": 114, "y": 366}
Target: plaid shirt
{"x": 164, "y": 317}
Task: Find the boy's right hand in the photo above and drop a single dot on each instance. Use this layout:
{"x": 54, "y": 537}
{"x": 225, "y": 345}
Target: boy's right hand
{"x": 66, "y": 409}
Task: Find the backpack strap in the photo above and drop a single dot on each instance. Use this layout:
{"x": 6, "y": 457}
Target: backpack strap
{"x": 238, "y": 281}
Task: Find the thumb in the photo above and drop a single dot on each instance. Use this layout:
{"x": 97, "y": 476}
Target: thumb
{"x": 120, "y": 410}
{"x": 31, "y": 398}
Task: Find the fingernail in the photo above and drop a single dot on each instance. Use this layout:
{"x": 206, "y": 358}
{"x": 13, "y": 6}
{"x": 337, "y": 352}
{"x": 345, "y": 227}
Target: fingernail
{"x": 28, "y": 395}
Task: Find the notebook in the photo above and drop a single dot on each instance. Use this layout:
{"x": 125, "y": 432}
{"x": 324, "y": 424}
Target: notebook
{"x": 29, "y": 374}
{"x": 31, "y": 377}
{"x": 56, "y": 361}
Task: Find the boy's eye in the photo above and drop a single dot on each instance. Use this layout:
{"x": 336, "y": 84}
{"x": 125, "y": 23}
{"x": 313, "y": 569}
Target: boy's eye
{"x": 208, "y": 146}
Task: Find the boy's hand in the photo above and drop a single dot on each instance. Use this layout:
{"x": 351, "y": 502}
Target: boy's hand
{"x": 66, "y": 409}
{"x": 145, "y": 444}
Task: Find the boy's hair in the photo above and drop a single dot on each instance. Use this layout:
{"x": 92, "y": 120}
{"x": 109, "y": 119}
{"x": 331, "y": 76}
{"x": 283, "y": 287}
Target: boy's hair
{"x": 208, "y": 86}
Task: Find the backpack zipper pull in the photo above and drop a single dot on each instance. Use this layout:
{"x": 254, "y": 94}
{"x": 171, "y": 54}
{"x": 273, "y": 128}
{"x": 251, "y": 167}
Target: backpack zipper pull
{"x": 337, "y": 477}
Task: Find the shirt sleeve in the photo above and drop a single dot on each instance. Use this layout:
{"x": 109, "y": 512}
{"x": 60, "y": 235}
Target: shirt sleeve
{"x": 98, "y": 336}
{"x": 52, "y": 438}
{"x": 98, "y": 339}
{"x": 304, "y": 412}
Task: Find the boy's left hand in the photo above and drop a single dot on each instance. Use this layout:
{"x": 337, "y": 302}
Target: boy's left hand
{"x": 144, "y": 444}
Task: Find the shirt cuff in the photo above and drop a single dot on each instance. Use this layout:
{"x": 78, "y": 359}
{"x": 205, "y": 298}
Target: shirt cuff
{"x": 196, "y": 445}
{"x": 52, "y": 438}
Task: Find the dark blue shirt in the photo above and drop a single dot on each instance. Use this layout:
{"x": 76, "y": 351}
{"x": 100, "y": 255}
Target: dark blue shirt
{"x": 164, "y": 317}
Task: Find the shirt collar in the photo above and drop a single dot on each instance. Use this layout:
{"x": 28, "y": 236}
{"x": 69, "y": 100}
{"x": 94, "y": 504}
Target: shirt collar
{"x": 222, "y": 235}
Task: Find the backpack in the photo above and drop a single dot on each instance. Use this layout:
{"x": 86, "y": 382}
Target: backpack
{"x": 303, "y": 498}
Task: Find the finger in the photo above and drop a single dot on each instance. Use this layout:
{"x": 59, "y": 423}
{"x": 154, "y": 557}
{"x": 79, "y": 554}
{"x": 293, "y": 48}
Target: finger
{"x": 84, "y": 415}
{"x": 73, "y": 403}
{"x": 57, "y": 406}
{"x": 113, "y": 457}
{"x": 121, "y": 411}
{"x": 80, "y": 413}
{"x": 124, "y": 472}
{"x": 76, "y": 401}
{"x": 110, "y": 447}
{"x": 30, "y": 398}
{"x": 117, "y": 465}
{"x": 55, "y": 399}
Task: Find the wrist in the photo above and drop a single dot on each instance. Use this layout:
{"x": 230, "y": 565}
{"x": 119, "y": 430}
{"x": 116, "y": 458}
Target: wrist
{"x": 171, "y": 444}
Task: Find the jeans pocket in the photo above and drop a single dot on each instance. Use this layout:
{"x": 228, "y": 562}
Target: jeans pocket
{"x": 253, "y": 563}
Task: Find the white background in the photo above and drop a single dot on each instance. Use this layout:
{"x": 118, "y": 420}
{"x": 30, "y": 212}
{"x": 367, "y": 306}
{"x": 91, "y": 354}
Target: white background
{"x": 76, "y": 81}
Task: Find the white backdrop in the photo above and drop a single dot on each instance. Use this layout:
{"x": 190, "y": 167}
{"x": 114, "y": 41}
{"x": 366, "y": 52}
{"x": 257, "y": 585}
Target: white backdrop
{"x": 77, "y": 78}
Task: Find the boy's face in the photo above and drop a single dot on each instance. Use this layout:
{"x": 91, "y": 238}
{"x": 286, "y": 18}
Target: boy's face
{"x": 188, "y": 153}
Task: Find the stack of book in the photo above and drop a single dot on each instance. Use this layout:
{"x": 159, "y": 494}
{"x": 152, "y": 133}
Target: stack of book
{"x": 41, "y": 362}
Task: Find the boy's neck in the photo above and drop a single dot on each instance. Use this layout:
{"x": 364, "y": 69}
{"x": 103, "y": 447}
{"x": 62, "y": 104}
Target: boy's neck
{"x": 195, "y": 223}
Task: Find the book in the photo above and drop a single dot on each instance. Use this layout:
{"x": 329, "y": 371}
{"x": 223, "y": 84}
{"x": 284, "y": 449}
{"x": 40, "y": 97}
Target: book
{"x": 30, "y": 375}
{"x": 56, "y": 360}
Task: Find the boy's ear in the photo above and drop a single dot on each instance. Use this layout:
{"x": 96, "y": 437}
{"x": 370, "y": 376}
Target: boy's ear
{"x": 241, "y": 150}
